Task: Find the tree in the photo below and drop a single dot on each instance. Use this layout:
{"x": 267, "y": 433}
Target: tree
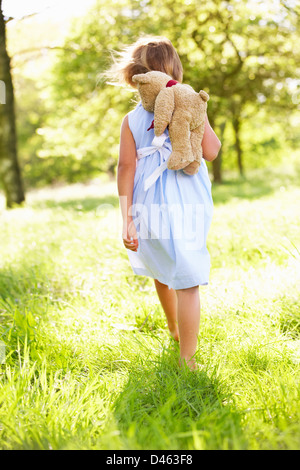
{"x": 82, "y": 132}
{"x": 238, "y": 51}
{"x": 10, "y": 175}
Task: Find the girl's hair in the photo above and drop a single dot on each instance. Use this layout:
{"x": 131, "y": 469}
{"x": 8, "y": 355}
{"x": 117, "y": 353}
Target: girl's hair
{"x": 147, "y": 53}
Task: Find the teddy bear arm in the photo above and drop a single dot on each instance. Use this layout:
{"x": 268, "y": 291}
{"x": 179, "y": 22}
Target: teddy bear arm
{"x": 163, "y": 110}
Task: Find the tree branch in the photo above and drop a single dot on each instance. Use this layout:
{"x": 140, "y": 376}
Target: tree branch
{"x": 39, "y": 49}
{"x": 11, "y": 18}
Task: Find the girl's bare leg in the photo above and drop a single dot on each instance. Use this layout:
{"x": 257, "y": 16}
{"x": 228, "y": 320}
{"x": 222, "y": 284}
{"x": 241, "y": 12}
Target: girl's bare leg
{"x": 188, "y": 314}
{"x": 168, "y": 300}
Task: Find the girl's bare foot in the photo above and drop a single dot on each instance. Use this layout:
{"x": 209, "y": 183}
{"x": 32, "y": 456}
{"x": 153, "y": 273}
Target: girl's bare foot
{"x": 190, "y": 363}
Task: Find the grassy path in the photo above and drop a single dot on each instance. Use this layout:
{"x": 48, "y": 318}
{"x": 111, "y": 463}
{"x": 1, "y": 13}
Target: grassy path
{"x": 89, "y": 363}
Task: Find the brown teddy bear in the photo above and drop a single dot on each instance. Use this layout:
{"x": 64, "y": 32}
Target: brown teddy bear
{"x": 182, "y": 109}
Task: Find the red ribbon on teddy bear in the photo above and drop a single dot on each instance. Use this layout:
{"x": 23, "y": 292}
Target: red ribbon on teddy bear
{"x": 169, "y": 84}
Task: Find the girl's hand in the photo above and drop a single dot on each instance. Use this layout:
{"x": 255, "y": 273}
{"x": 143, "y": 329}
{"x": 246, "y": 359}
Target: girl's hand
{"x": 129, "y": 235}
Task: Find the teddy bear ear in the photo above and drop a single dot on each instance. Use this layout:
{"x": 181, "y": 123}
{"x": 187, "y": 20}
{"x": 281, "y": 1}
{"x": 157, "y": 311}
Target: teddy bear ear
{"x": 140, "y": 78}
{"x": 204, "y": 95}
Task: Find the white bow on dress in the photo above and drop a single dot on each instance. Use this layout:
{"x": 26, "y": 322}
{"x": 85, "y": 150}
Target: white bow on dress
{"x": 164, "y": 148}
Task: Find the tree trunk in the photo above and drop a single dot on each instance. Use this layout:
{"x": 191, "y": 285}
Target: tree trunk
{"x": 216, "y": 168}
{"x": 9, "y": 168}
{"x": 217, "y": 163}
{"x": 236, "y": 127}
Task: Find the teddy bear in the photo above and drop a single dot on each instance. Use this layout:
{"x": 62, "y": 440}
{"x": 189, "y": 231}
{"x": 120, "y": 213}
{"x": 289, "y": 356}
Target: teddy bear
{"x": 182, "y": 109}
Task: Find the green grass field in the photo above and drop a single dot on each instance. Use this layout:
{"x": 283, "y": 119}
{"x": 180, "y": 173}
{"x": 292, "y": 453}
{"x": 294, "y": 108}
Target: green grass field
{"x": 88, "y": 360}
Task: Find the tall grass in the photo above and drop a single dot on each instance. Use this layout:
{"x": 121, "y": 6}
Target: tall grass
{"x": 89, "y": 363}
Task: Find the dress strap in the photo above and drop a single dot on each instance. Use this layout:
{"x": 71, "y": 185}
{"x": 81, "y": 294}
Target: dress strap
{"x": 164, "y": 148}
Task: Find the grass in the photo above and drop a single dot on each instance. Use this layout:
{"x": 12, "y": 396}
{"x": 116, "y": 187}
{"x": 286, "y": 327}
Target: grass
{"x": 89, "y": 363}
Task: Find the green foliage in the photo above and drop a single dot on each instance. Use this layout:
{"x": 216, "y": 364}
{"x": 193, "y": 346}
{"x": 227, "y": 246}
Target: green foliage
{"x": 84, "y": 128}
{"x": 89, "y": 362}
{"x": 245, "y": 54}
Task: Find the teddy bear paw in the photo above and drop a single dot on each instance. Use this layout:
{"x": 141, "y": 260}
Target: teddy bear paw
{"x": 177, "y": 161}
{"x": 192, "y": 168}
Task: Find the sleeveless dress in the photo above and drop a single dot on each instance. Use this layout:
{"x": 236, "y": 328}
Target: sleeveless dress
{"x": 171, "y": 211}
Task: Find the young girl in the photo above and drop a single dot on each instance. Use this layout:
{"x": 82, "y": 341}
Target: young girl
{"x": 166, "y": 213}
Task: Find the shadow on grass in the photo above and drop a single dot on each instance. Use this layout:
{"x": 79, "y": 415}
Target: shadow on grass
{"x": 28, "y": 290}
{"x": 256, "y": 183}
{"x": 163, "y": 407}
{"x": 25, "y": 281}
{"x": 81, "y": 204}
{"x": 25, "y": 296}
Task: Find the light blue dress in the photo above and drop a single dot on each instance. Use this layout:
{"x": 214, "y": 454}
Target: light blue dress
{"x": 172, "y": 211}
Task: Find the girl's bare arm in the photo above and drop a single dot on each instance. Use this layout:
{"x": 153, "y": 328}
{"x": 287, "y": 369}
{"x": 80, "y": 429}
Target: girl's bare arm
{"x": 210, "y": 142}
{"x": 125, "y": 180}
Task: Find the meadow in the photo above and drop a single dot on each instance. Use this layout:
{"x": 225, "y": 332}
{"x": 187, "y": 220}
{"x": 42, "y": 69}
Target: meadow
{"x": 87, "y": 361}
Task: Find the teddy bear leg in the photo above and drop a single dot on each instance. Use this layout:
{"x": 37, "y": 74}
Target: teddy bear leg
{"x": 192, "y": 168}
{"x": 196, "y": 139}
{"x": 182, "y": 154}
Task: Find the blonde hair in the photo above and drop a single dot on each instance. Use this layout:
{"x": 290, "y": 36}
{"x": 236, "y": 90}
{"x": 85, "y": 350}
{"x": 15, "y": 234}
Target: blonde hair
{"x": 146, "y": 54}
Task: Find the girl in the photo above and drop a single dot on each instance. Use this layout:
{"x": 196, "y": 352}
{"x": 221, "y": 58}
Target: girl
{"x": 166, "y": 213}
